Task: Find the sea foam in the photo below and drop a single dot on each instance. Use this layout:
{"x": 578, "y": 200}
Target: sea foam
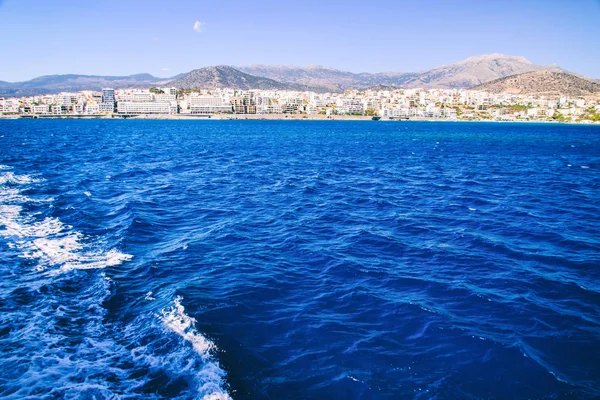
{"x": 50, "y": 241}
{"x": 211, "y": 375}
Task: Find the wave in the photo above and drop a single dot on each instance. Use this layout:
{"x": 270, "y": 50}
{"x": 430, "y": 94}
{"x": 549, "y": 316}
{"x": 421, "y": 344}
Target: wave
{"x": 10, "y": 177}
{"x": 50, "y": 241}
{"x": 211, "y": 376}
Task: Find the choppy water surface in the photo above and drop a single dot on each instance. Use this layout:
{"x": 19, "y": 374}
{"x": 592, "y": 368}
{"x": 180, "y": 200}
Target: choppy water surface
{"x": 288, "y": 260}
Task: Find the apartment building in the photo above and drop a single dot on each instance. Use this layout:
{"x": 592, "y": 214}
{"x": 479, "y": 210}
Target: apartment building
{"x": 155, "y": 107}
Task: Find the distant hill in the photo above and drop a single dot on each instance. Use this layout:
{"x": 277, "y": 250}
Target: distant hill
{"x": 224, "y": 76}
{"x": 320, "y": 76}
{"x": 477, "y": 70}
{"x": 314, "y": 75}
{"x": 546, "y": 83}
{"x": 73, "y": 83}
{"x": 462, "y": 74}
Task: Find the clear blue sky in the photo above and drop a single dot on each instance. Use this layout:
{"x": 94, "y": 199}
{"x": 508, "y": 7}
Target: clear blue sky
{"x": 122, "y": 37}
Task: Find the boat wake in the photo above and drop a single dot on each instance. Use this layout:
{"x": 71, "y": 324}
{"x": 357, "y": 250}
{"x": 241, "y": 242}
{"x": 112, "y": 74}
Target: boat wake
{"x": 50, "y": 241}
{"x": 176, "y": 320}
{"x": 56, "y": 321}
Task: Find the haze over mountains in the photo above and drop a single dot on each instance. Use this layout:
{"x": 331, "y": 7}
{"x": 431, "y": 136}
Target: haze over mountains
{"x": 463, "y": 74}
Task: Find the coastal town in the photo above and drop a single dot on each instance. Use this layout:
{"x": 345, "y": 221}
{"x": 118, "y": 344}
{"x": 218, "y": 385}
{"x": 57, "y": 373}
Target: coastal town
{"x": 376, "y": 103}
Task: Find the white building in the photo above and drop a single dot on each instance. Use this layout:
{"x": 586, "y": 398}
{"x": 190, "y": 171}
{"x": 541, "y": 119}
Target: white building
{"x": 41, "y": 109}
{"x": 65, "y": 100}
{"x": 126, "y": 107}
{"x": 11, "y": 105}
{"x": 107, "y": 107}
{"x": 208, "y": 105}
{"x": 92, "y": 109}
{"x": 140, "y": 97}
{"x": 206, "y": 101}
{"x": 310, "y": 110}
{"x": 208, "y": 109}
{"x": 165, "y": 97}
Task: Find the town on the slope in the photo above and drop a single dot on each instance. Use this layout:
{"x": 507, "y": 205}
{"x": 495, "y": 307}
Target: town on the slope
{"x": 382, "y": 102}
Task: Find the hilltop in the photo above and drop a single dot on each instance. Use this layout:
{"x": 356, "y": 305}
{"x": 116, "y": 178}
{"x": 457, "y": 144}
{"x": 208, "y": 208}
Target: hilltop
{"x": 224, "y": 76}
{"x": 546, "y": 83}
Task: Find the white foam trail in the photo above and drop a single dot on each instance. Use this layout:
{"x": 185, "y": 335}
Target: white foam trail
{"x": 50, "y": 241}
{"x": 177, "y": 321}
{"x": 10, "y": 177}
{"x": 211, "y": 375}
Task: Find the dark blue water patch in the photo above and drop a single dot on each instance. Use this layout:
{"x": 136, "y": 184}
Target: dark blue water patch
{"x": 265, "y": 259}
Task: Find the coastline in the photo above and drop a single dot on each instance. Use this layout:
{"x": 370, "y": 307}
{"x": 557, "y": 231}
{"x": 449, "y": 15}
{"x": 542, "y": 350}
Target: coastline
{"x": 271, "y": 117}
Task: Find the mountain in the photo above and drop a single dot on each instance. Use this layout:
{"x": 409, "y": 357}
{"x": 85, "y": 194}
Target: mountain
{"x": 73, "y": 83}
{"x": 462, "y": 74}
{"x": 476, "y": 70}
{"x": 224, "y": 76}
{"x": 314, "y": 75}
{"x": 546, "y": 83}
{"x": 327, "y": 78}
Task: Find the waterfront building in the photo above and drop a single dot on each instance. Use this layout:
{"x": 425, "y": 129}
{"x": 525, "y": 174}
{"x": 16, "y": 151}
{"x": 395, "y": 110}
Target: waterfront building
{"x": 92, "y": 108}
{"x": 108, "y": 95}
{"x": 208, "y": 109}
{"x": 206, "y": 101}
{"x": 310, "y": 110}
{"x": 108, "y": 100}
{"x": 244, "y": 103}
{"x": 269, "y": 109}
{"x": 208, "y": 105}
{"x": 11, "y": 106}
{"x": 41, "y": 109}
{"x": 78, "y": 109}
{"x": 106, "y": 107}
{"x": 126, "y": 107}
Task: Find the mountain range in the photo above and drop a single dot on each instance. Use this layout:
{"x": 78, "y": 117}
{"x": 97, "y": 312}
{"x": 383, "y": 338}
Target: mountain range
{"x": 50, "y": 84}
{"x": 463, "y": 74}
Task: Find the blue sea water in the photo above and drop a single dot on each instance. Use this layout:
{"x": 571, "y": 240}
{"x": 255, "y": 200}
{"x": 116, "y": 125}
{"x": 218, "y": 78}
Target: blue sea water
{"x": 299, "y": 260}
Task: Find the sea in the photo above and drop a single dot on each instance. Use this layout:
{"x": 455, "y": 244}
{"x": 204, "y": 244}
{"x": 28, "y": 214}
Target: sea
{"x": 299, "y": 260}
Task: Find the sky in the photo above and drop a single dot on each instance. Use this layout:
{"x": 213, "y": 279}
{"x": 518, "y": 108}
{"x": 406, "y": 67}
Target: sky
{"x": 165, "y": 38}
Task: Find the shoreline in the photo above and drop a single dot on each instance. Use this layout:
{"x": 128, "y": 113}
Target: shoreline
{"x": 270, "y": 117}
